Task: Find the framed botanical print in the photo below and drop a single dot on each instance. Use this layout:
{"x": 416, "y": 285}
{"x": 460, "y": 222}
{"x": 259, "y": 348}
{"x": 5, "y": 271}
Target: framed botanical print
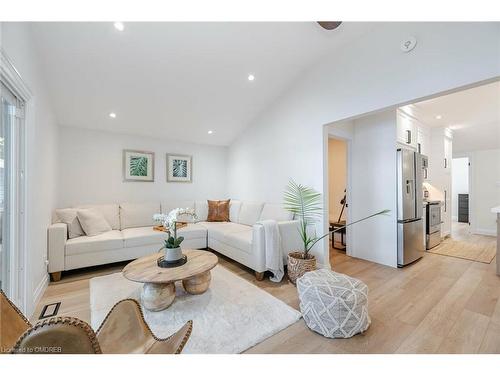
{"x": 179, "y": 168}
{"x": 138, "y": 165}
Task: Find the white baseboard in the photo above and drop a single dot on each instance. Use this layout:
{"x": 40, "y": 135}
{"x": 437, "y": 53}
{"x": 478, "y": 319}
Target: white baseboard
{"x": 38, "y": 293}
{"x": 322, "y": 265}
{"x": 485, "y": 232}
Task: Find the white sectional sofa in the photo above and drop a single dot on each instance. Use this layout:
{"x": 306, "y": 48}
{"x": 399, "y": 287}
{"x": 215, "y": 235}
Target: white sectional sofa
{"x": 132, "y": 235}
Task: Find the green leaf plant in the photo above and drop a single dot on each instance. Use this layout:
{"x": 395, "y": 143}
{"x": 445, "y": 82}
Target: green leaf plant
{"x": 305, "y": 204}
{"x": 173, "y": 241}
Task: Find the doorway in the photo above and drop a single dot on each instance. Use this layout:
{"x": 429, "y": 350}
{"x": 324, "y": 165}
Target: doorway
{"x": 462, "y": 131}
{"x": 460, "y": 215}
{"x": 337, "y": 190}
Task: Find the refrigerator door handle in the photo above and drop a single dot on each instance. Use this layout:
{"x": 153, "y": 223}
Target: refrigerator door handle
{"x": 409, "y": 188}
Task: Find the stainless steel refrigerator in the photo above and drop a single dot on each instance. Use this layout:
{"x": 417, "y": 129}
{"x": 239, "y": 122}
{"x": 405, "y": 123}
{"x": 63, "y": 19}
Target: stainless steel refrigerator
{"x": 410, "y": 210}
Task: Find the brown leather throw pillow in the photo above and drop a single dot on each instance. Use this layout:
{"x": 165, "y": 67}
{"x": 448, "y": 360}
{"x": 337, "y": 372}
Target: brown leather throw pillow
{"x": 218, "y": 210}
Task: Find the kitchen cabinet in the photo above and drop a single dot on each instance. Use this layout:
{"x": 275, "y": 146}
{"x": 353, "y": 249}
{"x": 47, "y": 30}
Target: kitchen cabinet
{"x": 423, "y": 140}
{"x": 446, "y": 213}
{"x": 407, "y": 130}
{"x": 439, "y": 171}
{"x": 447, "y": 154}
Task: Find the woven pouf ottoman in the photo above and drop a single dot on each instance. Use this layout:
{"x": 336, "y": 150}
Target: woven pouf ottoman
{"x": 333, "y": 304}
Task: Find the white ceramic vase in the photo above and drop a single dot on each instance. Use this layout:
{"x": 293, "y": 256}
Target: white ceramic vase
{"x": 172, "y": 255}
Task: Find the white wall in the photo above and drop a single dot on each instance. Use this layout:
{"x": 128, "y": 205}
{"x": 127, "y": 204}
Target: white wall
{"x": 459, "y": 182}
{"x": 41, "y": 171}
{"x": 92, "y": 171}
{"x": 287, "y": 140}
{"x": 372, "y": 186}
{"x": 485, "y": 189}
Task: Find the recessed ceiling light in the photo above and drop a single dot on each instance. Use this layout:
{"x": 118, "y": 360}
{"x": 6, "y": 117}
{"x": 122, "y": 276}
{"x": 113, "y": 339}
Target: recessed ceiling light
{"x": 119, "y": 26}
{"x": 439, "y": 117}
{"x": 210, "y": 132}
{"x": 112, "y": 115}
{"x": 251, "y": 77}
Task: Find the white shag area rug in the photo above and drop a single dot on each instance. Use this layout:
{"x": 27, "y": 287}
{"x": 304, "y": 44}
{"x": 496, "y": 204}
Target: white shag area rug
{"x": 230, "y": 317}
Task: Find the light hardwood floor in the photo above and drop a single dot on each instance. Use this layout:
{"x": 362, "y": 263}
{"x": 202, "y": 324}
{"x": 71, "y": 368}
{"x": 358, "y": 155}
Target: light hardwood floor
{"x": 440, "y": 304}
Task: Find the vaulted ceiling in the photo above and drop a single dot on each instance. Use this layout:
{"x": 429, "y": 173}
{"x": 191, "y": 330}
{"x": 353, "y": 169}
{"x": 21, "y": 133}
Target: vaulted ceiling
{"x": 178, "y": 80}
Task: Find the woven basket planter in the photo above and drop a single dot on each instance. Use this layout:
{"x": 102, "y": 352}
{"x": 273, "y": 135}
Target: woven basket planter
{"x": 297, "y": 265}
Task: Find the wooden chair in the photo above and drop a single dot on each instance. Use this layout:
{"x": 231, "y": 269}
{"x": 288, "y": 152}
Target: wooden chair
{"x": 123, "y": 331}
{"x": 136, "y": 337}
{"x": 12, "y": 323}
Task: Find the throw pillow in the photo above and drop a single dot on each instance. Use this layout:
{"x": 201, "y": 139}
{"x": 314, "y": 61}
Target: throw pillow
{"x": 68, "y": 217}
{"x": 218, "y": 210}
{"x": 93, "y": 222}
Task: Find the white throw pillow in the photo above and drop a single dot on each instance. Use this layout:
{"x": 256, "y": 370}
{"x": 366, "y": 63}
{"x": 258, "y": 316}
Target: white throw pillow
{"x": 92, "y": 221}
{"x": 276, "y": 212}
{"x": 201, "y": 209}
{"x": 69, "y": 217}
{"x": 135, "y": 215}
{"x": 234, "y": 211}
{"x": 250, "y": 212}
{"x": 111, "y": 213}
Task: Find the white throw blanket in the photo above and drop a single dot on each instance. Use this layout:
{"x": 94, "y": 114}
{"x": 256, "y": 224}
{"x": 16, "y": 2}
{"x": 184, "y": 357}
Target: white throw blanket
{"x": 274, "y": 250}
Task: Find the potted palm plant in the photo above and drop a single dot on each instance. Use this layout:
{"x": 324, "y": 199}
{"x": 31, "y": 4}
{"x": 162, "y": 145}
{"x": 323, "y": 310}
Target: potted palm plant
{"x": 305, "y": 204}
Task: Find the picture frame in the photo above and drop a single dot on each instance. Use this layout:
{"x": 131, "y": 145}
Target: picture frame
{"x": 179, "y": 168}
{"x": 138, "y": 166}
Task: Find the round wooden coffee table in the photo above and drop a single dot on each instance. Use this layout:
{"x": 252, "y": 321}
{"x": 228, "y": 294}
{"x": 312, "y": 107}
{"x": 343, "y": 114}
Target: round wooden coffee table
{"x": 158, "y": 291}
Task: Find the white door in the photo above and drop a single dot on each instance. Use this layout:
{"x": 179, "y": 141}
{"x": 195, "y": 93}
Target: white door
{"x": 12, "y": 196}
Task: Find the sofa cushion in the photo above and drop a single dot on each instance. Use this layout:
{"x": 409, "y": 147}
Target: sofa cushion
{"x": 111, "y": 240}
{"x": 250, "y": 213}
{"x": 201, "y": 210}
{"x": 234, "y": 211}
{"x": 241, "y": 240}
{"x": 218, "y": 210}
{"x": 192, "y": 231}
{"x": 111, "y": 213}
{"x": 69, "y": 217}
{"x": 135, "y": 215}
{"x": 219, "y": 230}
{"x": 143, "y": 236}
{"x": 274, "y": 211}
{"x": 92, "y": 221}
{"x": 167, "y": 206}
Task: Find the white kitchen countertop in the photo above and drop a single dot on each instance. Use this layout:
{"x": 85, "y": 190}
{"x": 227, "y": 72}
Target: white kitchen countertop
{"x": 496, "y": 210}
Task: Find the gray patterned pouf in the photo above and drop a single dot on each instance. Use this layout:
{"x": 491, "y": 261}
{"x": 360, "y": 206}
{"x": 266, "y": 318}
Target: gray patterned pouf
{"x": 333, "y": 304}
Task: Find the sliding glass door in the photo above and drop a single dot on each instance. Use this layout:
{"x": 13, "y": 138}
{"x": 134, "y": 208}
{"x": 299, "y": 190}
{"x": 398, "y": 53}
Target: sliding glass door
{"x": 11, "y": 195}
